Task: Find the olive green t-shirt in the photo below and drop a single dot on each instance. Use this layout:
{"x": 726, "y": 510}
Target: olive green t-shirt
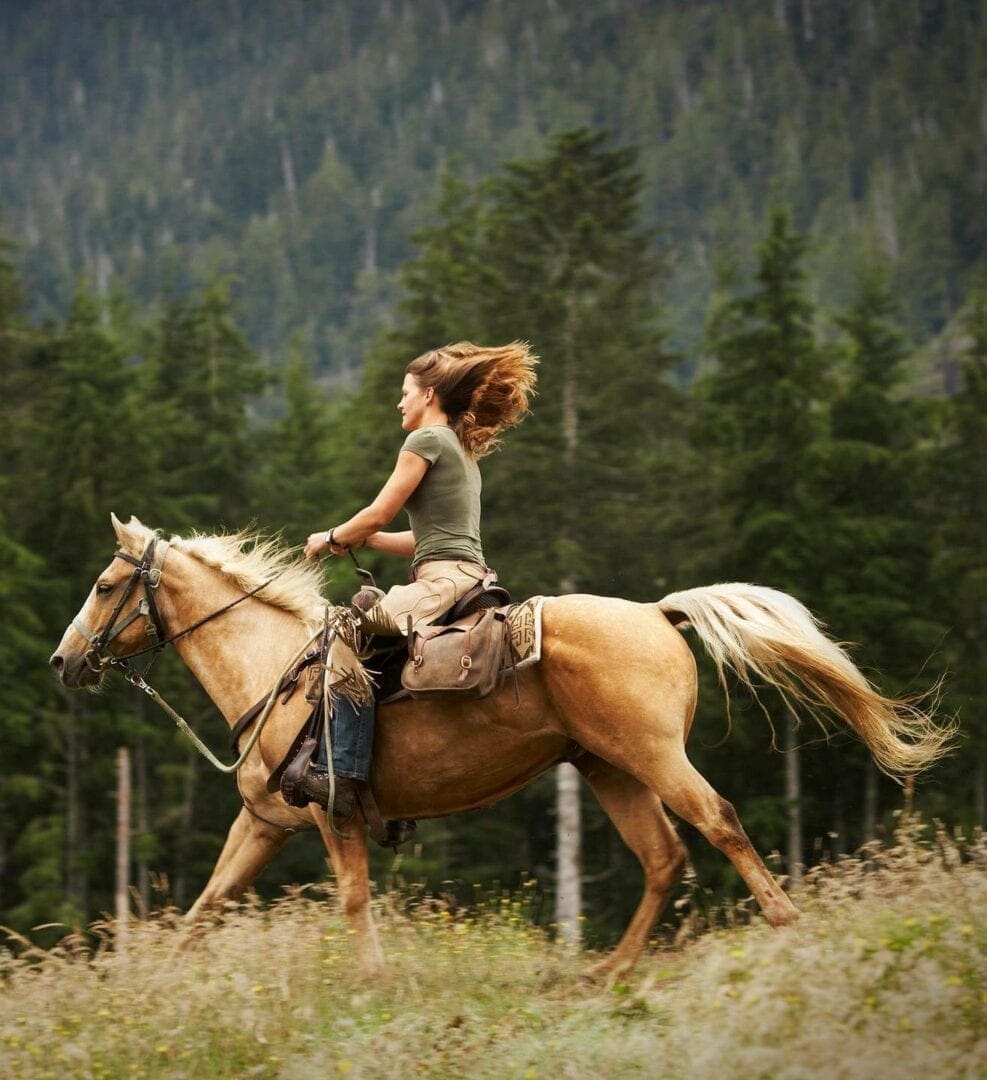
{"x": 445, "y": 507}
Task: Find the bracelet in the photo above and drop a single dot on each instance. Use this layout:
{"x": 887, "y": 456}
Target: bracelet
{"x": 329, "y": 539}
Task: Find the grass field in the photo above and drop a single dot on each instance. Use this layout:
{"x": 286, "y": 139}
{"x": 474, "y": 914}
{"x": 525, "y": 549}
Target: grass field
{"x": 884, "y": 977}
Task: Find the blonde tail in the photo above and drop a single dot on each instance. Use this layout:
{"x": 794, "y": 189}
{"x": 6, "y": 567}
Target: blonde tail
{"x": 759, "y": 632}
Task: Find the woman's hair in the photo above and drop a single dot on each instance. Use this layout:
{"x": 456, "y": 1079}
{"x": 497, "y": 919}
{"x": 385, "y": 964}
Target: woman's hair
{"x": 483, "y": 391}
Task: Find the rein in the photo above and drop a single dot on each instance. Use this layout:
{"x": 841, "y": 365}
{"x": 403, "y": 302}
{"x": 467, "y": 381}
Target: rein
{"x": 147, "y": 572}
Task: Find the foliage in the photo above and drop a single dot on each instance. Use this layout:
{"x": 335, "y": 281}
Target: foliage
{"x": 804, "y": 464}
{"x": 298, "y": 145}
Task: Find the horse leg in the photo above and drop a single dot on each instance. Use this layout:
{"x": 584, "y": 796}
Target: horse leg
{"x": 250, "y": 845}
{"x": 638, "y": 815}
{"x": 689, "y": 795}
{"x": 352, "y": 868}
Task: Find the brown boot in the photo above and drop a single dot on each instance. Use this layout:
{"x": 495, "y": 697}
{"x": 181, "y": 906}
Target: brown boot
{"x": 315, "y": 784}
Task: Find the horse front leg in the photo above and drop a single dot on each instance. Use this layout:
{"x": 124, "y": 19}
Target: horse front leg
{"x": 352, "y": 868}
{"x": 250, "y": 845}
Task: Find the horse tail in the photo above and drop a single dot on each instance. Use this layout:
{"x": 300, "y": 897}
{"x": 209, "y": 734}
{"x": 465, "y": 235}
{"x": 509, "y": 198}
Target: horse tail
{"x": 758, "y": 632}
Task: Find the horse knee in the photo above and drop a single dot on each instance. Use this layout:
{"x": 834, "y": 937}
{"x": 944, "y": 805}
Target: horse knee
{"x": 355, "y": 903}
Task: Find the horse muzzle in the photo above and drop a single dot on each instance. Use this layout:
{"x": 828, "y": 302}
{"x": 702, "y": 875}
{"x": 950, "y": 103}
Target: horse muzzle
{"x": 76, "y": 670}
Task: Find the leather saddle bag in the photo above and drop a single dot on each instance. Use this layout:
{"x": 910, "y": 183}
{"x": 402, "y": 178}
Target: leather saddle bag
{"x": 463, "y": 659}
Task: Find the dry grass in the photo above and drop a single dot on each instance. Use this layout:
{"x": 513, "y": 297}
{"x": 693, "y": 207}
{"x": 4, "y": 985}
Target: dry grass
{"x": 883, "y": 978}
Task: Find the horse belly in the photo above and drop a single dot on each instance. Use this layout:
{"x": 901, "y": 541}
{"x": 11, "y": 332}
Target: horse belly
{"x": 433, "y": 758}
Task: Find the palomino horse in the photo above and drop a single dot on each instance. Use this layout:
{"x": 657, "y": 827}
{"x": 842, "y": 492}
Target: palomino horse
{"x": 616, "y": 677}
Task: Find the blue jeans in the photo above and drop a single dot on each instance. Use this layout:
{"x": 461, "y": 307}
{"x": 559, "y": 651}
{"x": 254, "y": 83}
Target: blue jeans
{"x": 352, "y": 732}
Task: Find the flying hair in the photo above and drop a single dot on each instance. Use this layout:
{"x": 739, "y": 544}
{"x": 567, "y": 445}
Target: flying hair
{"x": 483, "y": 390}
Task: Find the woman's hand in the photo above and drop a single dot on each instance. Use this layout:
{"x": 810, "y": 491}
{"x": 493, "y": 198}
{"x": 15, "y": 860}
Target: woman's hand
{"x": 318, "y": 544}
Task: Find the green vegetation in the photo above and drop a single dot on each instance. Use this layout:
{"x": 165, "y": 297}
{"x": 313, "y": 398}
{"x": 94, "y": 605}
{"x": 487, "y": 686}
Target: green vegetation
{"x": 235, "y": 225}
{"x": 793, "y": 462}
{"x": 885, "y": 971}
{"x": 298, "y": 145}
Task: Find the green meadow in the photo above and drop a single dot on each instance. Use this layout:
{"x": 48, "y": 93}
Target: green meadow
{"x": 884, "y": 976}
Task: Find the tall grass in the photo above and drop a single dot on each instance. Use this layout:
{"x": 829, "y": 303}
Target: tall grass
{"x": 884, "y": 977}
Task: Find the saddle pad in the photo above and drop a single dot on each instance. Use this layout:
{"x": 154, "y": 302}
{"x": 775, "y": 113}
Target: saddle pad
{"x": 524, "y": 619}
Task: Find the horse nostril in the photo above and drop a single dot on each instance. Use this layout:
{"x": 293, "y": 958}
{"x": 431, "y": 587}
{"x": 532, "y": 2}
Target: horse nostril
{"x": 57, "y": 661}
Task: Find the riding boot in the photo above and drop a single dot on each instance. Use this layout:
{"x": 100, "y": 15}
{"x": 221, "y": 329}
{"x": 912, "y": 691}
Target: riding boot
{"x": 306, "y": 781}
{"x": 315, "y": 784}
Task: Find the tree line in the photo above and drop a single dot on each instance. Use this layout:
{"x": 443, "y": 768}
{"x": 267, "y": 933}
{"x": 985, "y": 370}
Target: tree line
{"x": 799, "y": 456}
{"x": 293, "y": 146}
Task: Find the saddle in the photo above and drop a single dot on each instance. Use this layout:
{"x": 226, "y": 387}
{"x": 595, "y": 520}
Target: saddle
{"x": 462, "y": 655}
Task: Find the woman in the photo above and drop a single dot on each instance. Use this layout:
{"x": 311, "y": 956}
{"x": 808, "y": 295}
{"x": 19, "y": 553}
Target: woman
{"x": 455, "y": 401}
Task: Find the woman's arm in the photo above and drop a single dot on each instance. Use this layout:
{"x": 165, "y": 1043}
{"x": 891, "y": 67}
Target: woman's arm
{"x": 407, "y": 475}
{"x": 396, "y": 543}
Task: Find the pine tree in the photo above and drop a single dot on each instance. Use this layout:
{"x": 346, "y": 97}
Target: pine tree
{"x": 962, "y": 541}
{"x": 202, "y": 379}
{"x": 872, "y": 543}
{"x": 761, "y": 424}
{"x": 550, "y": 252}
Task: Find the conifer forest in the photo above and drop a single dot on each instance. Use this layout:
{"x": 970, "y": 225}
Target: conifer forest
{"x": 748, "y": 242}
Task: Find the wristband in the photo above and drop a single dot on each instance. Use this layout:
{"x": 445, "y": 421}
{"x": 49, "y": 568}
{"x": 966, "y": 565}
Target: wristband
{"x": 329, "y": 539}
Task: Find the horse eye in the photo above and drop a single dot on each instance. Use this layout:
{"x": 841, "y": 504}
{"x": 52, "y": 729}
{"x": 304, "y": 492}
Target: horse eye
{"x": 103, "y": 588}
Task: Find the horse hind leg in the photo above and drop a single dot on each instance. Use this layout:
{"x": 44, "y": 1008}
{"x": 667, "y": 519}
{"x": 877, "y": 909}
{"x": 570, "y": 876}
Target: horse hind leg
{"x": 638, "y": 815}
{"x": 689, "y": 795}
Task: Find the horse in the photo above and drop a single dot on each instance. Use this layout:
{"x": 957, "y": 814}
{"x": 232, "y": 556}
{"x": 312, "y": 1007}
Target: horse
{"x": 616, "y": 678}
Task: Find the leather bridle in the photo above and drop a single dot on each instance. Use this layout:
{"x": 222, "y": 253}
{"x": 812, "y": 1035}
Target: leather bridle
{"x": 147, "y": 572}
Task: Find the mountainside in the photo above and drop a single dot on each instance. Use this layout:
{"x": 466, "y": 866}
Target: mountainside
{"x": 298, "y": 146}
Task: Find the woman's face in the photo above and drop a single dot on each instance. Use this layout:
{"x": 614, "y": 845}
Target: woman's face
{"x": 415, "y": 399}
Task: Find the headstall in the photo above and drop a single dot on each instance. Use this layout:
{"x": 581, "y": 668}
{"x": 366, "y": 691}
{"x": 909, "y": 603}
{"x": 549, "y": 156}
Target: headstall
{"x": 147, "y": 572}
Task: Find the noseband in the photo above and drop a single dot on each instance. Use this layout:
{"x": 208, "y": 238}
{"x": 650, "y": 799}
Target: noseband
{"x": 147, "y": 572}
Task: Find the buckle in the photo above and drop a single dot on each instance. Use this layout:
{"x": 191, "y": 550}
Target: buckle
{"x": 466, "y": 662}
{"x": 152, "y": 577}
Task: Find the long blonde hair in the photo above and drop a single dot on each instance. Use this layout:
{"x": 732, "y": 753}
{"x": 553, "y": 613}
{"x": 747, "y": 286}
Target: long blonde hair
{"x": 483, "y": 391}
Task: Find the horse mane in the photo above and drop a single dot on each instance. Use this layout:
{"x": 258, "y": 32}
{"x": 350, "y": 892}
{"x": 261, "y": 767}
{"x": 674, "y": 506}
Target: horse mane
{"x": 249, "y": 560}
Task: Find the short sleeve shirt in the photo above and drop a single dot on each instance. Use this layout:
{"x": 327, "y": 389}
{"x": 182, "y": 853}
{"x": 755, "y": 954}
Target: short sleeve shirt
{"x": 445, "y": 507}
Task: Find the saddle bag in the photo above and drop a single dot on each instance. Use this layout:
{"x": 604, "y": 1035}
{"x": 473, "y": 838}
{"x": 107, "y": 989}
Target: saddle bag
{"x": 463, "y": 659}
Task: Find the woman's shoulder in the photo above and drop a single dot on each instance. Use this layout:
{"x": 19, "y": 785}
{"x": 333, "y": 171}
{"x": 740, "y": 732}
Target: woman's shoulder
{"x": 429, "y": 442}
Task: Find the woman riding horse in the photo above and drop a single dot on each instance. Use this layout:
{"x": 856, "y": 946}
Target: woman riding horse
{"x": 455, "y": 401}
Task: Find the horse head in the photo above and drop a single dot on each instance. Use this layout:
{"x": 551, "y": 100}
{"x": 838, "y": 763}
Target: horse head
{"x": 120, "y": 617}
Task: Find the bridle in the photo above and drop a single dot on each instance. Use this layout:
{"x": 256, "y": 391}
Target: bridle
{"x": 147, "y": 573}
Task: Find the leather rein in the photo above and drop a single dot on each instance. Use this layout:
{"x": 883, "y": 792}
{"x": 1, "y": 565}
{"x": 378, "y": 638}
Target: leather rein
{"x": 147, "y": 573}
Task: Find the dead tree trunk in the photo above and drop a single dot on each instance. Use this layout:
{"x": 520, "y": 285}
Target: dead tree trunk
{"x": 568, "y": 816}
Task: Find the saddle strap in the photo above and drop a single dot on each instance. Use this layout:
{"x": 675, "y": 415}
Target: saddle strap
{"x": 286, "y": 688}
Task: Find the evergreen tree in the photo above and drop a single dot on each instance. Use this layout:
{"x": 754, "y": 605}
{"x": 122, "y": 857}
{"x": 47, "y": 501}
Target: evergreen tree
{"x": 200, "y": 383}
{"x": 962, "y": 542}
{"x": 761, "y": 423}
{"x": 872, "y": 544}
{"x": 290, "y": 487}
{"x": 550, "y": 251}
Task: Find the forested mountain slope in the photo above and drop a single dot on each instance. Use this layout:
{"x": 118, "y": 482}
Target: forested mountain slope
{"x": 298, "y": 145}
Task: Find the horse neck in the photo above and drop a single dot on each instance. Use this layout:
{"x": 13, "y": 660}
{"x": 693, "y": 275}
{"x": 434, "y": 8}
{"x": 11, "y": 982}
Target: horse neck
{"x": 238, "y": 656}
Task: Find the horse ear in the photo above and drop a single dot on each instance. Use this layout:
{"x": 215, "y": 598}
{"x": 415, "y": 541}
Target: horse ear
{"x": 125, "y": 532}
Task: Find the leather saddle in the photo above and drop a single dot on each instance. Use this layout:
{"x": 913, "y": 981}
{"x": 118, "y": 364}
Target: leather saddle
{"x": 459, "y": 655}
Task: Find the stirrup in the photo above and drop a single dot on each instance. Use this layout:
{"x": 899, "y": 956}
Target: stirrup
{"x": 293, "y": 778}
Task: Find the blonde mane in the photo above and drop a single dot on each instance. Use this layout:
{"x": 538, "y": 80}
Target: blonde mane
{"x": 249, "y": 560}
